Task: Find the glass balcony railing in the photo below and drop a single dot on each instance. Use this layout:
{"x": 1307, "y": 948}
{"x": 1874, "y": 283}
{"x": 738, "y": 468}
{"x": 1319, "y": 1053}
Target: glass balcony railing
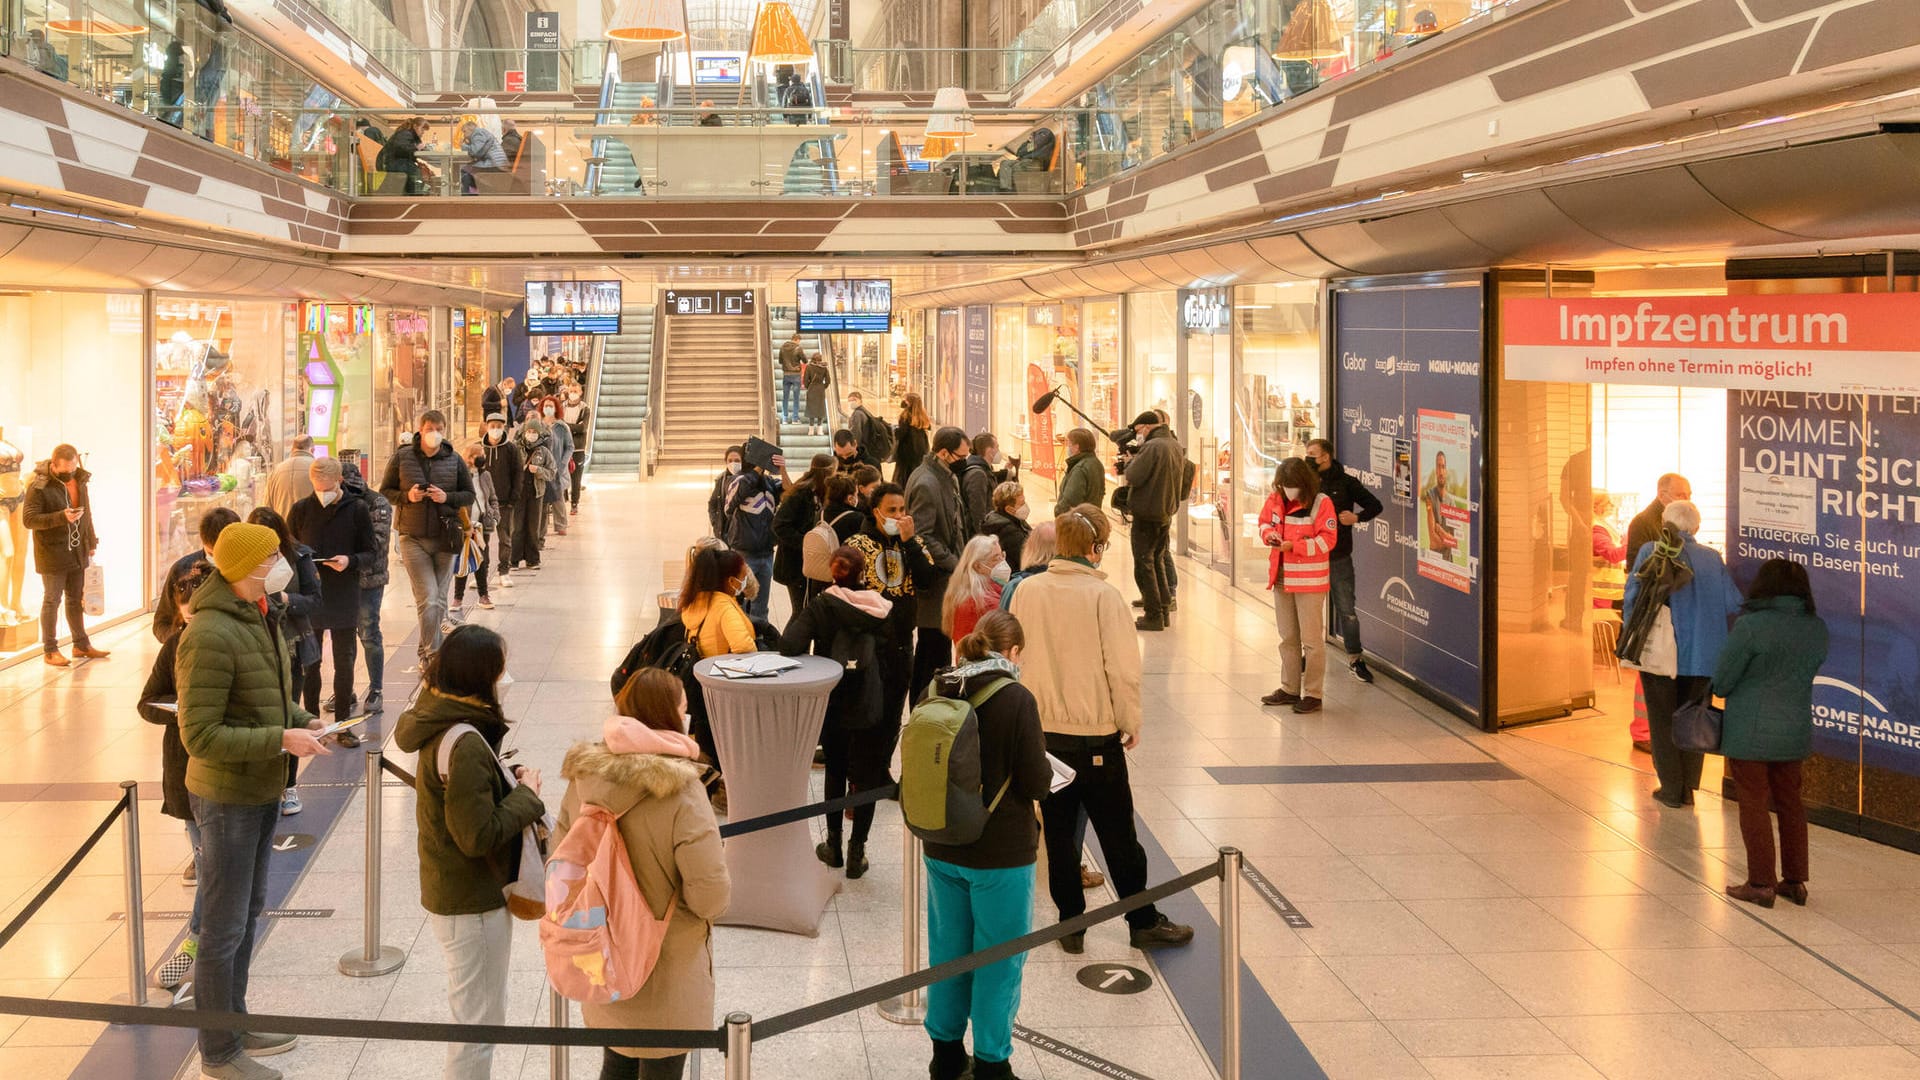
{"x": 504, "y": 71}
{"x": 1050, "y": 28}
{"x": 924, "y": 70}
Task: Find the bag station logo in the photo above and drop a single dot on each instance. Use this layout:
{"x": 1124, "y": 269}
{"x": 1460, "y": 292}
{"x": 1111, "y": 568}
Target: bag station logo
{"x": 1848, "y": 710}
{"x": 1401, "y": 600}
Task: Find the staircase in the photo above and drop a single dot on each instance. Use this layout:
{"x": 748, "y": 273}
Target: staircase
{"x": 794, "y": 440}
{"x": 619, "y": 172}
{"x": 620, "y": 410}
{"x": 712, "y": 388}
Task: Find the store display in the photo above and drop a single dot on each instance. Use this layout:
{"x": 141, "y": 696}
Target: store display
{"x": 14, "y": 549}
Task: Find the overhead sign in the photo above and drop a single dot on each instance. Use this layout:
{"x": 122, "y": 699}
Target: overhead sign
{"x": 710, "y": 301}
{"x": 1865, "y": 344}
{"x": 543, "y": 54}
{"x": 1206, "y": 311}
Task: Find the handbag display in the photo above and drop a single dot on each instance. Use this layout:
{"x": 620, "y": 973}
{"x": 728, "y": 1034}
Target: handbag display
{"x": 1661, "y": 654}
{"x": 1697, "y": 726}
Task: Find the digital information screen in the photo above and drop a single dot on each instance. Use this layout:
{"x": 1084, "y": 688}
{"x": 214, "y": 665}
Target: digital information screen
{"x": 845, "y": 305}
{"x": 573, "y": 307}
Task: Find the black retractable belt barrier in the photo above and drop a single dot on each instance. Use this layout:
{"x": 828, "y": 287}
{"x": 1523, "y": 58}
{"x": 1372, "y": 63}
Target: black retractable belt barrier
{"x": 405, "y": 776}
{"x": 61, "y": 875}
{"x": 802, "y": 813}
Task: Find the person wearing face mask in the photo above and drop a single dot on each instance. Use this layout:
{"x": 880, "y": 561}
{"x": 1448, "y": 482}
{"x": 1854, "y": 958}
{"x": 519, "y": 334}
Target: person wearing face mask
{"x": 496, "y": 397}
{"x": 933, "y": 498}
{"x": 1353, "y": 505}
{"x": 1085, "y": 480}
{"x": 536, "y": 471}
{"x": 579, "y": 419}
{"x": 975, "y": 587}
{"x": 865, "y": 479}
{"x": 978, "y": 478}
{"x": 482, "y": 518}
{"x": 1082, "y": 663}
{"x": 59, "y": 513}
{"x": 239, "y": 722}
{"x": 1007, "y": 521}
{"x": 981, "y": 894}
{"x": 428, "y": 484}
{"x": 801, "y": 508}
{"x": 299, "y": 601}
{"x": 338, "y": 528}
{"x": 506, "y": 464}
{"x": 470, "y": 819}
{"x": 166, "y": 617}
{"x": 560, "y": 445}
{"x": 897, "y": 558}
{"x": 1301, "y": 527}
{"x": 717, "y": 502}
{"x": 752, "y": 498}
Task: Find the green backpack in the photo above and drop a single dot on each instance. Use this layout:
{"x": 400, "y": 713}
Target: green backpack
{"x": 940, "y": 792}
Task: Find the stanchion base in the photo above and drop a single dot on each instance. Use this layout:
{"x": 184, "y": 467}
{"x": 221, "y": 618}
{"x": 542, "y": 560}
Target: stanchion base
{"x": 906, "y": 1009}
{"x": 358, "y": 966}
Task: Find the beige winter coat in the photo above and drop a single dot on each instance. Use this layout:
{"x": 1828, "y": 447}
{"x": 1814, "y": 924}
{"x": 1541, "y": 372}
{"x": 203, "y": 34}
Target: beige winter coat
{"x": 674, "y": 843}
{"x": 1082, "y": 658}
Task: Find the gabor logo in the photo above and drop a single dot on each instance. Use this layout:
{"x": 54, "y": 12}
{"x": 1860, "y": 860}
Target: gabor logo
{"x": 1398, "y": 595}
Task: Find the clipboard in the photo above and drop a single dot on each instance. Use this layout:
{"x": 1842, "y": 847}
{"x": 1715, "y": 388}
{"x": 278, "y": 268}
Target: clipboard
{"x": 759, "y": 453}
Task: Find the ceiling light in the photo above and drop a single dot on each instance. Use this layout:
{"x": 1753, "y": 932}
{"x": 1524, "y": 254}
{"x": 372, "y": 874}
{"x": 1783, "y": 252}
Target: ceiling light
{"x": 649, "y": 20}
{"x": 952, "y": 117}
{"x": 1313, "y": 33}
{"x": 777, "y": 37}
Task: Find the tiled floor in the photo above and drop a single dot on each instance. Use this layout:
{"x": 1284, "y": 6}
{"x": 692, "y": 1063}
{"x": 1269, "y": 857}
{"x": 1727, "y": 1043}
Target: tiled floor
{"x": 1553, "y": 924}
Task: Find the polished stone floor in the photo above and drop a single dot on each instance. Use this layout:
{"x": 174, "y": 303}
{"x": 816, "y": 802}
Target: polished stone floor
{"x": 1551, "y": 922}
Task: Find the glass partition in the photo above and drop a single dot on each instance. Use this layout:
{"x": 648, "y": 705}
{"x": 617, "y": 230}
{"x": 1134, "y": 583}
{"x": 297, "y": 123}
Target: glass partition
{"x": 1277, "y": 403}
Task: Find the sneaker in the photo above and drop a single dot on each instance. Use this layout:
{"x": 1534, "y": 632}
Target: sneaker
{"x": 1361, "y": 672}
{"x": 241, "y": 1067}
{"x": 486, "y": 603}
{"x": 266, "y": 1045}
{"x": 373, "y": 701}
{"x": 178, "y": 966}
{"x": 290, "y": 802}
{"x": 505, "y": 581}
{"x": 1074, "y": 944}
{"x": 327, "y": 706}
{"x": 1162, "y": 934}
{"x": 191, "y": 875}
{"x": 1281, "y": 696}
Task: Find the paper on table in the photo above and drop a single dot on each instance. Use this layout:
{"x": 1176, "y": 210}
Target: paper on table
{"x": 754, "y": 665}
{"x": 1063, "y": 773}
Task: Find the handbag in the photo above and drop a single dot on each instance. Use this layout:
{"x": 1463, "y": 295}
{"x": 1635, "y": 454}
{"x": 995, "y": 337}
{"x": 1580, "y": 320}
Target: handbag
{"x": 526, "y": 894}
{"x": 1661, "y": 654}
{"x": 1697, "y": 725}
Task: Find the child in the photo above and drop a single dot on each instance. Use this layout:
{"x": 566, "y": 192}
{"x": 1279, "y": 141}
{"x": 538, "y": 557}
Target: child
{"x": 156, "y": 706}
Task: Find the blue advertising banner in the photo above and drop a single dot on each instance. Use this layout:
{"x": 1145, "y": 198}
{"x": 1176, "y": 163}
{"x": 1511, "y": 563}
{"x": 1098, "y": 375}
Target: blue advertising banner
{"x": 1409, "y": 389}
{"x": 1832, "y": 482}
{"x": 977, "y": 359}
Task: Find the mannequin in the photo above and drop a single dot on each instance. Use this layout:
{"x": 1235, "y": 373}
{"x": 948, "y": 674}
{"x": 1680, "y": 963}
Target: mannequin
{"x": 13, "y": 532}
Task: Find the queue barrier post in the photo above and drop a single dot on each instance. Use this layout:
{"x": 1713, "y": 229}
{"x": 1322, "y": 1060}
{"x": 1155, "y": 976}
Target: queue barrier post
{"x": 910, "y": 1007}
{"x": 372, "y": 958}
{"x": 136, "y": 913}
{"x": 1230, "y": 866}
{"x": 739, "y": 1046}
{"x": 558, "y": 1057}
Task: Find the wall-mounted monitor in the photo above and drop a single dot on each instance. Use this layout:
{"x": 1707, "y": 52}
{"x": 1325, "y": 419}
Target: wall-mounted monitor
{"x": 845, "y": 305}
{"x": 573, "y": 307}
{"x": 719, "y": 69}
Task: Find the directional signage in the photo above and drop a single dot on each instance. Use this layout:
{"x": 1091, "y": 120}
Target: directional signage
{"x": 1114, "y": 979}
{"x": 292, "y": 842}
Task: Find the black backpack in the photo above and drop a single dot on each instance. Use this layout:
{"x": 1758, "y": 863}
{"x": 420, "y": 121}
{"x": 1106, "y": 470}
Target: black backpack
{"x": 855, "y": 702}
{"x": 668, "y": 647}
{"x": 876, "y": 438}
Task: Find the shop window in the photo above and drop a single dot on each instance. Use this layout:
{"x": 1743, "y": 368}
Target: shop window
{"x": 337, "y": 348}
{"x": 73, "y": 373}
{"x": 1277, "y": 402}
{"x": 218, "y": 371}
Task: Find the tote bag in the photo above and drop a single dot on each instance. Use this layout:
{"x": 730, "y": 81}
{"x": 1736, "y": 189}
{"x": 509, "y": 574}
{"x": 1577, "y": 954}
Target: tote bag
{"x": 1661, "y": 655}
{"x": 526, "y": 894}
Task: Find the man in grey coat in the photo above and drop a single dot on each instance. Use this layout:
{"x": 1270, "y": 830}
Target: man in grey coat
{"x": 1154, "y": 481}
{"x": 933, "y": 501}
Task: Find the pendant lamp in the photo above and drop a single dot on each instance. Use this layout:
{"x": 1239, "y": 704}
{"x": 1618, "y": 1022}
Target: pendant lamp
{"x": 952, "y": 117}
{"x": 777, "y": 37}
{"x": 648, "y": 20}
{"x": 1312, "y": 33}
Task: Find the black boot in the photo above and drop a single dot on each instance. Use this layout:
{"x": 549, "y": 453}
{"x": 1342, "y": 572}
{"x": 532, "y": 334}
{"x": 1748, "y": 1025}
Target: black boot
{"x": 950, "y": 1060}
{"x": 993, "y": 1070}
{"x": 828, "y": 850}
{"x": 856, "y": 859}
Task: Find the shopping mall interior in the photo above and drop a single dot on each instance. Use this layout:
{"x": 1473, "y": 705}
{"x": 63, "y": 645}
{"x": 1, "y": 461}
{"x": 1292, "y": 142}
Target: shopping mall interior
{"x": 1531, "y": 272}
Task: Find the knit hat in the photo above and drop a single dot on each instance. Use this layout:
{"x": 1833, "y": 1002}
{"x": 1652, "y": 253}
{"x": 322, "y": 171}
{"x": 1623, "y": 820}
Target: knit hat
{"x": 241, "y": 549}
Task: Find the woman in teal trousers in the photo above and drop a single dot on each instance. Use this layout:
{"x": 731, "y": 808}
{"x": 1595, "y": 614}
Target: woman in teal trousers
{"x": 1766, "y": 673}
{"x": 981, "y": 894}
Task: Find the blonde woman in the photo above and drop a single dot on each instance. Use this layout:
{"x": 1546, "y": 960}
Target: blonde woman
{"x": 975, "y": 587}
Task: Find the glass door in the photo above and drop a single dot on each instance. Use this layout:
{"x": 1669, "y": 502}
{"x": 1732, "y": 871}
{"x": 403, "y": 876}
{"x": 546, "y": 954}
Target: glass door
{"x": 1202, "y": 421}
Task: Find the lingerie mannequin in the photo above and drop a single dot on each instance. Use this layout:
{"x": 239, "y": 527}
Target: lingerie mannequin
{"x": 13, "y": 532}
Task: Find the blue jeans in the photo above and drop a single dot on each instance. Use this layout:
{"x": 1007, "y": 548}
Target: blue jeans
{"x": 430, "y": 570}
{"x": 193, "y": 841}
{"x": 235, "y": 844}
{"x": 371, "y": 643}
{"x": 1340, "y": 603}
{"x": 790, "y": 398}
{"x": 762, "y": 567}
{"x": 969, "y": 910}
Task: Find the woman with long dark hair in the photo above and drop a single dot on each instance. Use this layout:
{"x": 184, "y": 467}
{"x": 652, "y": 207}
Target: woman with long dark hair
{"x": 910, "y": 438}
{"x": 1766, "y": 673}
{"x": 800, "y": 507}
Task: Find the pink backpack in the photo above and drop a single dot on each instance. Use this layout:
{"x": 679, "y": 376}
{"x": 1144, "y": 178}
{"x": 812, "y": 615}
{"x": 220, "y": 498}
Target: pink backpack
{"x": 600, "y": 938}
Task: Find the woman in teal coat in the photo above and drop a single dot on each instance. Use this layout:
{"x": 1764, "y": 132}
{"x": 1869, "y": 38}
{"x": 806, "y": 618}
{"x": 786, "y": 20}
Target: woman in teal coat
{"x": 1766, "y": 674}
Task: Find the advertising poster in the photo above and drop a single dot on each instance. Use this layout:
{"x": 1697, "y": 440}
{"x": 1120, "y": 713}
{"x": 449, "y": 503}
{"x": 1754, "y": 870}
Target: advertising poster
{"x": 945, "y": 405}
{"x": 1832, "y": 482}
{"x": 1445, "y": 440}
{"x": 1409, "y": 388}
{"x": 978, "y": 380}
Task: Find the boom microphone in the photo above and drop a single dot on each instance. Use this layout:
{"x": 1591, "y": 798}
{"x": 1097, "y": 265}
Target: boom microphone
{"x": 1045, "y": 401}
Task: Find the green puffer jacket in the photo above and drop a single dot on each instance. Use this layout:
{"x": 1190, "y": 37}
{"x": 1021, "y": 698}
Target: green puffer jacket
{"x": 470, "y": 821}
{"x": 1766, "y": 672}
{"x": 236, "y": 697}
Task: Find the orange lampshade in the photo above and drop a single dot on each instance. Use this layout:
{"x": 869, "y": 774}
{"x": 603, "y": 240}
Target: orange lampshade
{"x": 648, "y": 20}
{"x": 1312, "y": 33}
{"x": 777, "y": 37}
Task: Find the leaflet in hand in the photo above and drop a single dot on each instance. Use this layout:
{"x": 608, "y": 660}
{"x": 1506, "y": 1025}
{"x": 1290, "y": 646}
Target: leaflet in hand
{"x": 1063, "y": 773}
{"x": 339, "y": 725}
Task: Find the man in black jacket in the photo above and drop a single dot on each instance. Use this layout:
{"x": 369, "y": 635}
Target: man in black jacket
{"x": 792, "y": 359}
{"x": 508, "y": 467}
{"x": 338, "y": 526}
{"x": 1354, "y": 504}
{"x": 848, "y": 454}
{"x": 59, "y": 513}
{"x": 872, "y": 433}
{"x": 428, "y": 485}
{"x": 978, "y": 478}
{"x": 1155, "y": 484}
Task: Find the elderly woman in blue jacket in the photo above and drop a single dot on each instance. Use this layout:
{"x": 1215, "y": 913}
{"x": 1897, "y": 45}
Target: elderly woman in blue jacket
{"x": 1766, "y": 674}
{"x": 1701, "y": 609}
